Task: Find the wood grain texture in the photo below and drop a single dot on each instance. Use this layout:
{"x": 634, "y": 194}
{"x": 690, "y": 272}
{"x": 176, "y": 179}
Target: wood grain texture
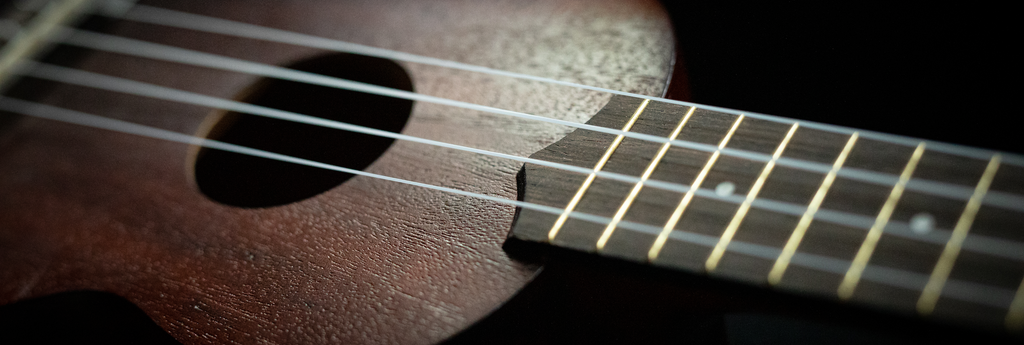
{"x": 366, "y": 262}
{"x": 985, "y": 276}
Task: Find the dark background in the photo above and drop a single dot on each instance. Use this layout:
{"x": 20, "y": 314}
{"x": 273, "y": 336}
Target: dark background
{"x": 939, "y": 72}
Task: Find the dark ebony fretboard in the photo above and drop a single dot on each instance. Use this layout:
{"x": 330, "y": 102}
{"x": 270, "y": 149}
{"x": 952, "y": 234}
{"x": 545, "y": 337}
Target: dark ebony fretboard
{"x": 909, "y": 226}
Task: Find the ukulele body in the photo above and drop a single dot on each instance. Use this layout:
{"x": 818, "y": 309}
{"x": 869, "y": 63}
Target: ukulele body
{"x": 368, "y": 261}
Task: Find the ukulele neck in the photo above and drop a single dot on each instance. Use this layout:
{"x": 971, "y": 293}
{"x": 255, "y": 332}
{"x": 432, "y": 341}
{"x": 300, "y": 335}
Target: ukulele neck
{"x": 907, "y": 225}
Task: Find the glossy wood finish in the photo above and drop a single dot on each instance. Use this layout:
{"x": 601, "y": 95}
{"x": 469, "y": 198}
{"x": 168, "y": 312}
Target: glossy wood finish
{"x": 366, "y": 262}
{"x": 986, "y": 273}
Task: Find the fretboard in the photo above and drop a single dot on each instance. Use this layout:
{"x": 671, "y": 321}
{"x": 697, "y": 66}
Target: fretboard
{"x": 902, "y": 224}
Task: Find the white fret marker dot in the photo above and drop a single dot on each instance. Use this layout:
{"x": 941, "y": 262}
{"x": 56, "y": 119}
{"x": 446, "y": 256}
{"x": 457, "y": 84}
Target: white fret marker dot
{"x": 922, "y": 223}
{"x": 725, "y": 188}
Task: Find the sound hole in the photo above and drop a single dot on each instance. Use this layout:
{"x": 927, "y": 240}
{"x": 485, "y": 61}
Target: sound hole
{"x": 248, "y": 181}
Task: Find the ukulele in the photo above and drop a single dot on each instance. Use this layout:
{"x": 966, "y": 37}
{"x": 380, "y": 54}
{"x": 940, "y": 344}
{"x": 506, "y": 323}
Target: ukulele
{"x": 348, "y": 173}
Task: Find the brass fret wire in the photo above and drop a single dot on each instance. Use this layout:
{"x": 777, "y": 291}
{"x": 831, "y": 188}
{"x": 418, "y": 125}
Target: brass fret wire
{"x": 35, "y": 35}
{"x": 652, "y": 254}
{"x": 716, "y": 152}
{"x": 597, "y": 167}
{"x": 867, "y": 248}
{"x": 1015, "y": 316}
{"x": 608, "y": 230}
{"x": 932, "y": 291}
{"x": 125, "y": 86}
{"x": 775, "y": 276}
{"x": 741, "y": 212}
{"x": 68, "y": 116}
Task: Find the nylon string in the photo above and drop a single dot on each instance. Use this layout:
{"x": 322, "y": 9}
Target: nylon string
{"x": 967, "y": 291}
{"x": 590, "y": 177}
{"x": 78, "y": 77}
{"x": 603, "y": 240}
{"x": 184, "y": 20}
{"x": 952, "y": 287}
{"x": 144, "y": 49}
{"x": 670, "y": 225}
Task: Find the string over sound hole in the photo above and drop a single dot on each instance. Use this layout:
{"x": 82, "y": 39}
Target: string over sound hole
{"x": 247, "y": 181}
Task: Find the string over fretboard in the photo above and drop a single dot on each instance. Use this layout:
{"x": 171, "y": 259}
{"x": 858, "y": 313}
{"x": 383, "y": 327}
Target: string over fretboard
{"x": 891, "y": 242}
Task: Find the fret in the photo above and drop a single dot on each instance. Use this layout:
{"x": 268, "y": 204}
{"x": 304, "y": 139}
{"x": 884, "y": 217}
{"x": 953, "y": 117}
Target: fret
{"x": 805, "y": 221}
{"x": 904, "y": 254}
{"x": 679, "y": 165}
{"x": 1002, "y": 275}
{"x": 682, "y": 165}
{"x": 632, "y": 158}
{"x": 603, "y": 240}
{"x": 881, "y": 157}
{"x": 597, "y": 167}
{"x": 816, "y": 146}
{"x": 930, "y": 295}
{"x": 952, "y": 169}
{"x": 986, "y": 269}
{"x": 671, "y": 223}
{"x": 1008, "y": 180}
{"x": 1015, "y": 316}
{"x": 853, "y": 274}
{"x": 848, "y": 237}
{"x": 709, "y": 212}
{"x": 734, "y": 224}
{"x": 35, "y": 36}
{"x": 757, "y": 136}
{"x": 993, "y": 221}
